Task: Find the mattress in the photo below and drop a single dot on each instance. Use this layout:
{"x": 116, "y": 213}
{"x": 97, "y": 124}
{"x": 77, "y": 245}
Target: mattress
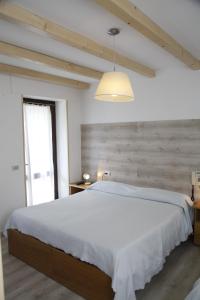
{"x": 125, "y": 231}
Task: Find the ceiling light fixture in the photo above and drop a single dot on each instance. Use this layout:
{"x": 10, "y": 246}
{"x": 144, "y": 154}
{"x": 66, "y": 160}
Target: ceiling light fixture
{"x": 114, "y": 86}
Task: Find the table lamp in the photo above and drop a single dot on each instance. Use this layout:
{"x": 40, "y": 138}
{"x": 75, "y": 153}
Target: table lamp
{"x": 86, "y": 178}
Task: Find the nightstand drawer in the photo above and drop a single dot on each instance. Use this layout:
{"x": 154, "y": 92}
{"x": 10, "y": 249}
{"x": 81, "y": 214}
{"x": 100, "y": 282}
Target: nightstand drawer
{"x": 197, "y": 239}
{"x": 197, "y": 215}
{"x": 197, "y": 226}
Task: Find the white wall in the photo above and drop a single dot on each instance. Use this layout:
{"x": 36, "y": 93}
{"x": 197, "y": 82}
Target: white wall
{"x": 12, "y": 185}
{"x": 172, "y": 94}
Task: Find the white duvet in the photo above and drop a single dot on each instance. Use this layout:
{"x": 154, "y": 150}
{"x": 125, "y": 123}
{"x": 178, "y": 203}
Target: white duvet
{"x": 126, "y": 231}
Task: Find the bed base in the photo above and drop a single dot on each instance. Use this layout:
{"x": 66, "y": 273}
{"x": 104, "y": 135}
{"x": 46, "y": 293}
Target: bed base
{"x": 80, "y": 277}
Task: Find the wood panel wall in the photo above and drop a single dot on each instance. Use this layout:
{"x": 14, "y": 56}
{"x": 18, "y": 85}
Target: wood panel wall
{"x": 158, "y": 154}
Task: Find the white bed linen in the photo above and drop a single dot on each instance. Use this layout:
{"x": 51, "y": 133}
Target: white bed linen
{"x": 126, "y": 236}
{"x": 195, "y": 292}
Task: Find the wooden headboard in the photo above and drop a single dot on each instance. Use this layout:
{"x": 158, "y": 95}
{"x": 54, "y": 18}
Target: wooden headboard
{"x": 158, "y": 154}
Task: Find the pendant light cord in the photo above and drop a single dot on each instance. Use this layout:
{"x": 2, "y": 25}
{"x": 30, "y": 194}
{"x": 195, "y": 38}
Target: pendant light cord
{"x": 114, "y": 53}
{"x": 113, "y": 32}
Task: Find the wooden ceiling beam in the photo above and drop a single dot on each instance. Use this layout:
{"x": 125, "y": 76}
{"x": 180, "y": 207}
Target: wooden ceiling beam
{"x": 134, "y": 17}
{"x": 37, "y": 57}
{"x": 28, "y": 73}
{"x": 25, "y": 17}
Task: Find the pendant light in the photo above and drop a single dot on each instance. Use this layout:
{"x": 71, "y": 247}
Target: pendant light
{"x": 114, "y": 86}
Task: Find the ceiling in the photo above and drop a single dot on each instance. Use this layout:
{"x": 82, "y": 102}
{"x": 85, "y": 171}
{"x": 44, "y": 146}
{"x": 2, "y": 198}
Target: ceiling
{"x": 180, "y": 18}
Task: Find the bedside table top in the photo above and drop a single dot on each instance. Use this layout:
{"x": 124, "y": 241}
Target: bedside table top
{"x": 80, "y": 186}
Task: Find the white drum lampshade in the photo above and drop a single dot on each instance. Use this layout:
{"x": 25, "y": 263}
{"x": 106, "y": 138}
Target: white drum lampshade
{"x": 114, "y": 87}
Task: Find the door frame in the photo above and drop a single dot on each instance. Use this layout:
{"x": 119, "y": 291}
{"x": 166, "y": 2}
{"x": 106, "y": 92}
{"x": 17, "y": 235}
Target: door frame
{"x": 52, "y": 105}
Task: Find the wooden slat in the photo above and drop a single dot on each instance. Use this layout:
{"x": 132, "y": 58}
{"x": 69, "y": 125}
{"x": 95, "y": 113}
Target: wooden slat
{"x": 50, "y": 61}
{"x": 20, "y": 15}
{"x": 134, "y": 17}
{"x": 23, "y": 72}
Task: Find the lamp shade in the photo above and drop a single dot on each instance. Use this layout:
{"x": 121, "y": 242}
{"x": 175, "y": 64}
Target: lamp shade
{"x": 114, "y": 87}
{"x": 86, "y": 176}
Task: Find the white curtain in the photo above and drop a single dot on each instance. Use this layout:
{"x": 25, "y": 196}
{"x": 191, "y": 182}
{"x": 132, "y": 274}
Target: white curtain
{"x": 38, "y": 154}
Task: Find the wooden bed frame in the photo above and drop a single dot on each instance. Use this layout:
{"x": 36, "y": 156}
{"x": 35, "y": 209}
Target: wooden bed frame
{"x": 82, "y": 278}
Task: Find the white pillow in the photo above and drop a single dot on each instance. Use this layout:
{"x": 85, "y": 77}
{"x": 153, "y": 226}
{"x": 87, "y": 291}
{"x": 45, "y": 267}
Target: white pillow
{"x": 164, "y": 195}
{"x": 115, "y": 188}
{"x": 141, "y": 192}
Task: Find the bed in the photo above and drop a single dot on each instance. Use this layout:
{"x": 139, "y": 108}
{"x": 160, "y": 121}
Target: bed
{"x": 103, "y": 243}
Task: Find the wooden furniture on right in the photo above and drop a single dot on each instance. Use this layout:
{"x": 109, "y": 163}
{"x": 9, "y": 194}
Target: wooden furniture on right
{"x": 1, "y": 275}
{"x": 197, "y": 222}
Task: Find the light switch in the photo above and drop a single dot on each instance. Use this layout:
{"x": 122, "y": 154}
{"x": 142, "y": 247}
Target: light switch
{"x": 15, "y": 168}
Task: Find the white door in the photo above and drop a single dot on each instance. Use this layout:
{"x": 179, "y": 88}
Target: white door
{"x": 38, "y": 154}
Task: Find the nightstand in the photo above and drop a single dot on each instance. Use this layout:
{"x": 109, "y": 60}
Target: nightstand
{"x": 76, "y": 188}
{"x": 197, "y": 222}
